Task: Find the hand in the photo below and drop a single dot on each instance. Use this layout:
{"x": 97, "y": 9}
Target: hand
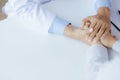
{"x": 109, "y": 40}
{"x": 77, "y": 33}
{"x": 100, "y": 25}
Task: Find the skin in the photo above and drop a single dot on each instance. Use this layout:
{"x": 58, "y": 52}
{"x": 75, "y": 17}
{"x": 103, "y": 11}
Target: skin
{"x": 80, "y": 34}
{"x": 109, "y": 41}
{"x": 77, "y": 33}
{"x": 70, "y": 31}
{"x": 99, "y": 23}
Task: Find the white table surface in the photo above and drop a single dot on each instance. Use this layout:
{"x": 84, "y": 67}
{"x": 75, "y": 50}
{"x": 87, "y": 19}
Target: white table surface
{"x": 27, "y": 55}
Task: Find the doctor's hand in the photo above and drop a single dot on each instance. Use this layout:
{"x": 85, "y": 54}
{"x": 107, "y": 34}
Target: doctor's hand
{"x": 109, "y": 41}
{"x": 99, "y": 26}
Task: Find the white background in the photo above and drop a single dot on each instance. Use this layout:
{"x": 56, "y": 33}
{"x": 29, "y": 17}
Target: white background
{"x": 27, "y": 55}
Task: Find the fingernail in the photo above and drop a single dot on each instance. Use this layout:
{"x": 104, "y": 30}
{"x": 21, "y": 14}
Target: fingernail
{"x": 90, "y": 30}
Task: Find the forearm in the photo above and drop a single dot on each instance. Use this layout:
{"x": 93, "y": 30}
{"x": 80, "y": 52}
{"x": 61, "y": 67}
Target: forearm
{"x": 72, "y": 32}
{"x": 69, "y": 31}
{"x": 76, "y": 33}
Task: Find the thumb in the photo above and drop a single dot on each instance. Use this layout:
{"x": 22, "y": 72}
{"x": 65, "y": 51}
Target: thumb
{"x": 84, "y": 21}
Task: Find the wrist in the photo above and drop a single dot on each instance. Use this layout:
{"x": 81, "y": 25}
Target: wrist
{"x": 72, "y": 32}
{"x": 112, "y": 42}
{"x": 69, "y": 30}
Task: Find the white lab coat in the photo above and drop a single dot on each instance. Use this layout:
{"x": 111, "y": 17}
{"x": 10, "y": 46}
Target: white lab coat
{"x": 98, "y": 65}
{"x": 30, "y": 10}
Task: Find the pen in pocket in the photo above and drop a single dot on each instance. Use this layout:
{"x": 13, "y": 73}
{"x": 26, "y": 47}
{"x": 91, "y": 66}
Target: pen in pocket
{"x": 115, "y": 24}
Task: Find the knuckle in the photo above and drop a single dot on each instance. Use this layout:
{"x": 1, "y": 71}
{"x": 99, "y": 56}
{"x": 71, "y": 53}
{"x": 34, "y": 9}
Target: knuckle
{"x": 104, "y": 35}
{"x": 98, "y": 35}
{"x": 92, "y": 35}
{"x": 95, "y": 28}
{"x": 108, "y": 28}
{"x": 106, "y": 32}
{"x": 97, "y": 38}
{"x": 103, "y": 28}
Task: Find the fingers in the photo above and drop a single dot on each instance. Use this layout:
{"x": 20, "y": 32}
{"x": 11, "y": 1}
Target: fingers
{"x": 93, "y": 25}
{"x": 84, "y": 21}
{"x": 97, "y": 28}
{"x": 100, "y": 30}
{"x": 99, "y": 34}
{"x": 87, "y": 25}
{"x": 95, "y": 31}
{"x": 94, "y": 22}
{"x": 93, "y": 34}
{"x": 108, "y": 30}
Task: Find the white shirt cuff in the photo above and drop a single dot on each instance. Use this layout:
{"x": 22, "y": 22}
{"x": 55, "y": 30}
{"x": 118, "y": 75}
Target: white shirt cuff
{"x": 58, "y": 26}
{"x": 102, "y": 3}
{"x": 116, "y": 46}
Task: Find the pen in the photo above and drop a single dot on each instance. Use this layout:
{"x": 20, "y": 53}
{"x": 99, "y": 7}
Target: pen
{"x": 114, "y": 23}
{"x": 119, "y": 11}
{"x": 115, "y": 26}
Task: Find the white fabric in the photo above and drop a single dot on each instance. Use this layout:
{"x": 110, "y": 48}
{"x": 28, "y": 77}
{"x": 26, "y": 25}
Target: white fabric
{"x": 98, "y": 66}
{"x": 30, "y": 10}
{"x": 100, "y": 3}
{"x": 110, "y": 71}
{"x": 97, "y": 55}
{"x": 116, "y": 46}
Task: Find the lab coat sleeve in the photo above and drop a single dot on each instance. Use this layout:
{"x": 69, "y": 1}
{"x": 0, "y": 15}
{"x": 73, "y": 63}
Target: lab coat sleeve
{"x": 32, "y": 9}
{"x": 101, "y": 3}
{"x": 96, "y": 56}
{"x": 116, "y": 46}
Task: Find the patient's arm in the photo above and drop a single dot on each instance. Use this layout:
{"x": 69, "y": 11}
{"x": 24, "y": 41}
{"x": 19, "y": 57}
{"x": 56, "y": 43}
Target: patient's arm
{"x": 78, "y": 34}
{"x": 34, "y": 11}
{"x": 2, "y": 15}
